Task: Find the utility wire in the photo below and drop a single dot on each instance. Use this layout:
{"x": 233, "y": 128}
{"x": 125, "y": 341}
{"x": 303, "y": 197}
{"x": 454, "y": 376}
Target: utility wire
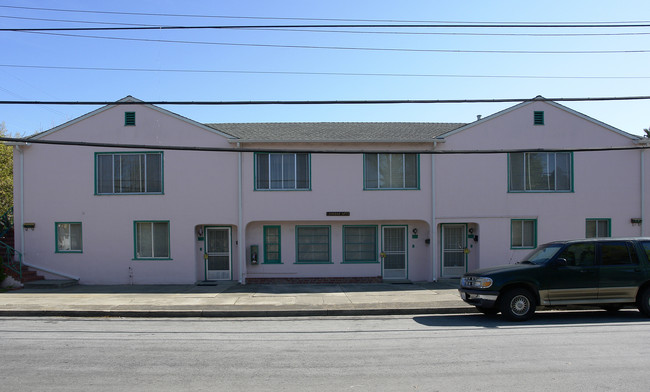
{"x": 327, "y": 102}
{"x": 29, "y": 140}
{"x": 348, "y": 26}
{"x": 315, "y": 73}
{"x": 287, "y": 18}
{"x": 633, "y": 51}
{"x": 366, "y": 32}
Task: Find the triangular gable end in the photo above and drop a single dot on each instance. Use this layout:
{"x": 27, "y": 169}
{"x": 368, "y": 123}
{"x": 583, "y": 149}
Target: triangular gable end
{"x": 134, "y": 100}
{"x": 552, "y": 103}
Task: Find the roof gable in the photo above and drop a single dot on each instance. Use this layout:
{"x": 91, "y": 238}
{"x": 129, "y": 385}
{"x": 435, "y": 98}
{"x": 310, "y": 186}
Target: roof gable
{"x": 125, "y": 100}
{"x": 539, "y": 98}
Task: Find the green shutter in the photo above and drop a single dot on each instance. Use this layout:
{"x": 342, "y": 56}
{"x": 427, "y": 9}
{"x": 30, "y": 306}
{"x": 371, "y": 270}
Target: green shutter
{"x": 129, "y": 118}
{"x": 538, "y": 118}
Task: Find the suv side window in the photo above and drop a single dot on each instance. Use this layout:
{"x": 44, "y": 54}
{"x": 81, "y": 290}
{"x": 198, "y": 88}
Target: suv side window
{"x": 646, "y": 248}
{"x": 579, "y": 254}
{"x": 617, "y": 253}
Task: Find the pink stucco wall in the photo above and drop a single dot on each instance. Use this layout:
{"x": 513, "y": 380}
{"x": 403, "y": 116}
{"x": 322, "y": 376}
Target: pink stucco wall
{"x": 202, "y": 189}
{"x": 474, "y": 188}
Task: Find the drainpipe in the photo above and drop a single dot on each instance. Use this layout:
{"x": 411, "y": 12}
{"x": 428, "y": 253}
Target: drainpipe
{"x": 22, "y": 202}
{"x": 434, "y": 235}
{"x": 241, "y": 249}
{"x": 642, "y": 190}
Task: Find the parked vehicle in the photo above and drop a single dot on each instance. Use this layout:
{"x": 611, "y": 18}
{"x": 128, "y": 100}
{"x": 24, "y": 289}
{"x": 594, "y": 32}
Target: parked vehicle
{"x": 606, "y": 272}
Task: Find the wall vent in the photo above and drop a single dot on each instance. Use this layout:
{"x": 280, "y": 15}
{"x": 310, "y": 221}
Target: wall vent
{"x": 129, "y": 118}
{"x": 538, "y": 118}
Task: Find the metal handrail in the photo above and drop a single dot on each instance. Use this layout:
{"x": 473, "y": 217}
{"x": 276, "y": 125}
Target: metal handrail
{"x": 12, "y": 259}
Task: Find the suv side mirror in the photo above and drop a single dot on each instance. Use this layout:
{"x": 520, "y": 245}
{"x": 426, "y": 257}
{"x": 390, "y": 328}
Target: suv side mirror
{"x": 560, "y": 262}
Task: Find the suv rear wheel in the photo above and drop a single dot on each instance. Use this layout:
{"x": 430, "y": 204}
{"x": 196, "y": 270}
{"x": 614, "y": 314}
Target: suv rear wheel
{"x": 517, "y": 304}
{"x": 644, "y": 302}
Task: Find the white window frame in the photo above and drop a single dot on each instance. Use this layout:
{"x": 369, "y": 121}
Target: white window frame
{"x": 372, "y": 172}
{"x": 146, "y": 184}
{"x": 518, "y": 234}
{"x": 64, "y": 229}
{"x": 138, "y": 226}
{"x": 520, "y": 180}
{"x": 297, "y": 179}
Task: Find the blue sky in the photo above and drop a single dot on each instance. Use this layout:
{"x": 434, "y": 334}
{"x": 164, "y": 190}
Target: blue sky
{"x": 266, "y": 64}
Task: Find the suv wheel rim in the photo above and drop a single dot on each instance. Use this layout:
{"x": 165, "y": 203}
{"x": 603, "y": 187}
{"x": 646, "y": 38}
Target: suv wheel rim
{"x": 520, "y": 305}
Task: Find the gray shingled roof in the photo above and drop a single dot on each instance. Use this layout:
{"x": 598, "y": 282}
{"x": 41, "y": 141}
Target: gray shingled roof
{"x": 336, "y": 132}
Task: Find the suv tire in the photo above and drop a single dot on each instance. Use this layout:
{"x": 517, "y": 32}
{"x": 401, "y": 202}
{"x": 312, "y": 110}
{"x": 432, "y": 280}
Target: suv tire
{"x": 518, "y": 304}
{"x": 644, "y": 302}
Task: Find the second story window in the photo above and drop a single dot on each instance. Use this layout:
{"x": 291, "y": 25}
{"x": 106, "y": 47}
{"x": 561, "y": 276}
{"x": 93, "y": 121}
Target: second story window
{"x": 128, "y": 173}
{"x": 540, "y": 172}
{"x": 391, "y": 171}
{"x": 288, "y": 171}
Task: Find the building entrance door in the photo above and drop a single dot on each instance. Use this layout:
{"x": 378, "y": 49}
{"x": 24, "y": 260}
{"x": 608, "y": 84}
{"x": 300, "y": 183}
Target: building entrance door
{"x": 454, "y": 246}
{"x": 393, "y": 245}
{"x": 218, "y": 253}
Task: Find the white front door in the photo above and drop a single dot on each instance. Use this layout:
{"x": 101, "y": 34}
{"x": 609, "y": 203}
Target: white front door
{"x": 393, "y": 248}
{"x": 218, "y": 253}
{"x": 454, "y": 245}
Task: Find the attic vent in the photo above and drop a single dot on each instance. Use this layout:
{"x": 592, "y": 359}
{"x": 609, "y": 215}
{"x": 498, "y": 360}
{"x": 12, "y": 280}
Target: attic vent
{"x": 129, "y": 118}
{"x": 538, "y": 118}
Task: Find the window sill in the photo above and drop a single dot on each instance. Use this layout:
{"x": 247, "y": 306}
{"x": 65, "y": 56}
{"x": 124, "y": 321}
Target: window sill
{"x": 361, "y": 262}
{"x": 313, "y": 262}
{"x": 153, "y": 259}
{"x": 130, "y": 194}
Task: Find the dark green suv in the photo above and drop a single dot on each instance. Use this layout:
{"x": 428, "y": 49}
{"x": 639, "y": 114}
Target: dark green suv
{"x": 606, "y": 272}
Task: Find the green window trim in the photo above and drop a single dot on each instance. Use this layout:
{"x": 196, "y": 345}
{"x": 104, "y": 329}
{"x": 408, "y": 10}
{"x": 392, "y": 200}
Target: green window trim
{"x": 63, "y": 235}
{"x": 400, "y": 171}
{"x": 362, "y": 240}
{"x": 159, "y": 251}
{"x": 523, "y": 165}
{"x": 129, "y": 119}
{"x": 519, "y": 233}
{"x": 598, "y": 231}
{"x": 112, "y": 177}
{"x": 282, "y": 171}
{"x": 272, "y": 245}
{"x": 317, "y": 244}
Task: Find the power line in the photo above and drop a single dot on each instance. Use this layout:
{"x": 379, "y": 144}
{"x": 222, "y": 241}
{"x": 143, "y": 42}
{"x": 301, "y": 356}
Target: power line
{"x": 315, "y": 73}
{"x": 633, "y": 51}
{"x": 363, "y": 32}
{"x": 28, "y": 140}
{"x": 348, "y": 26}
{"x": 294, "y": 18}
{"x": 328, "y": 102}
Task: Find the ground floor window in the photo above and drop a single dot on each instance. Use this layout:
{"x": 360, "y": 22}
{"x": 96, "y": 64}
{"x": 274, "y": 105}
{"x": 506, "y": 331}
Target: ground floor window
{"x": 68, "y": 237}
{"x": 152, "y": 240}
{"x": 598, "y": 228}
{"x": 313, "y": 244}
{"x": 272, "y": 245}
{"x": 359, "y": 244}
{"x": 523, "y": 233}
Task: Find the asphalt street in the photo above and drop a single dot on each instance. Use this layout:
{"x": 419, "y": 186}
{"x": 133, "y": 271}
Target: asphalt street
{"x": 573, "y": 350}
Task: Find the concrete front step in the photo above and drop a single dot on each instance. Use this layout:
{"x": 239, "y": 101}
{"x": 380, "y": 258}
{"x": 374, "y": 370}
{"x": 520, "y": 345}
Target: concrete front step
{"x": 50, "y": 283}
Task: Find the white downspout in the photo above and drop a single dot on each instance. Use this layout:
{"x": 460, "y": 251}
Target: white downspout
{"x": 434, "y": 235}
{"x": 22, "y": 202}
{"x": 241, "y": 249}
{"x": 642, "y": 191}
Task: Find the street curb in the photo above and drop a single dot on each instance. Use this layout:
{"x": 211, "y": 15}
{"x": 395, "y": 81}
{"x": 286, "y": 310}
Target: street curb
{"x": 232, "y": 313}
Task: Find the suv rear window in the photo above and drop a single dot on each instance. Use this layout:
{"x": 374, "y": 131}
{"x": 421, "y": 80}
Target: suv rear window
{"x": 617, "y": 253}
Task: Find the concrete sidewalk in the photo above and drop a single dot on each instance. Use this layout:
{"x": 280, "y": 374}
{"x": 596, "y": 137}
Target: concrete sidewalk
{"x": 234, "y": 300}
